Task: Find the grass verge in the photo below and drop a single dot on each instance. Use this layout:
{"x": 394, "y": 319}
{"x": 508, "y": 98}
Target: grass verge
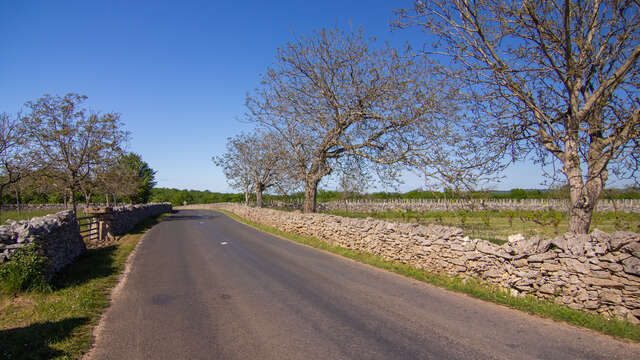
{"x": 58, "y": 323}
{"x": 474, "y": 288}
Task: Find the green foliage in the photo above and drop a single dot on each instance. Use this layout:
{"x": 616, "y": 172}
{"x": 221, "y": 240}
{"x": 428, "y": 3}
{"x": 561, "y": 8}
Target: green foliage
{"x": 178, "y": 197}
{"x": 26, "y": 271}
{"x": 145, "y": 174}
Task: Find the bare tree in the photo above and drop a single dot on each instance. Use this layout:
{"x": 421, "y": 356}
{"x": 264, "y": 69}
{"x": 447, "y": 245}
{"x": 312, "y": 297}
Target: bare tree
{"x": 72, "y": 140}
{"x": 267, "y": 163}
{"x": 16, "y": 158}
{"x": 255, "y": 160}
{"x": 335, "y": 95}
{"x": 558, "y": 79}
{"x": 117, "y": 179}
{"x": 235, "y": 164}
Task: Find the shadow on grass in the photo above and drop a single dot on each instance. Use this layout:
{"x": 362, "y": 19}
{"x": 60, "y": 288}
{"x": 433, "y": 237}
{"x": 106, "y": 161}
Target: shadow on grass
{"x": 97, "y": 262}
{"x": 32, "y": 342}
{"x": 94, "y": 264}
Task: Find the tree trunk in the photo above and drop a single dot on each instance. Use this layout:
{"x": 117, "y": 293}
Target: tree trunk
{"x": 259, "y": 190}
{"x": 1, "y": 202}
{"x": 583, "y": 197}
{"x": 310, "y": 191}
{"x": 87, "y": 197}
{"x": 17, "y": 200}
{"x": 246, "y": 196}
{"x": 73, "y": 202}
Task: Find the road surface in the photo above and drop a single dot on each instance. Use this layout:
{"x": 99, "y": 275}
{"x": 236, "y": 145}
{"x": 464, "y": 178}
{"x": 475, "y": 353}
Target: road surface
{"x": 203, "y": 286}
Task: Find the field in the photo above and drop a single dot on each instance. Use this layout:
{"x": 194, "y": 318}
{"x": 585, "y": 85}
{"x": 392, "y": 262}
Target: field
{"x": 496, "y": 226}
{"x": 28, "y": 214}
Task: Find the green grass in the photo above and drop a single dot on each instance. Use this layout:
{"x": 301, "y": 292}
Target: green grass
{"x": 496, "y": 226}
{"x": 57, "y": 324}
{"x": 472, "y": 287}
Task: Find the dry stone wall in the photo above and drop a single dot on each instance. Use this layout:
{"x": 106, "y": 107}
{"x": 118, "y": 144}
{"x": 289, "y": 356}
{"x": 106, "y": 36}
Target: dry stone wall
{"x": 57, "y": 235}
{"x": 124, "y": 218}
{"x": 598, "y": 272}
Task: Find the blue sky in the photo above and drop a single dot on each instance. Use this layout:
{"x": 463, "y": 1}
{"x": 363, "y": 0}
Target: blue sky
{"x": 177, "y": 71}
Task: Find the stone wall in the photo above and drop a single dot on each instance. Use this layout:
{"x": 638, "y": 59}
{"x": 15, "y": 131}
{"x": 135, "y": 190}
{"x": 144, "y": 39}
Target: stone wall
{"x": 624, "y": 205}
{"x": 59, "y": 234}
{"x": 124, "y": 218}
{"x": 598, "y": 272}
{"x": 56, "y": 234}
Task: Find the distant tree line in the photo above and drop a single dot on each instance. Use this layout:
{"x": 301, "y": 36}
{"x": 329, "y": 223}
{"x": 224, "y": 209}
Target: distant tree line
{"x": 179, "y": 197}
{"x": 497, "y": 82}
{"x": 57, "y": 151}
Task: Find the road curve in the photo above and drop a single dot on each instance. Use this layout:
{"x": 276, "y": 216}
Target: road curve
{"x": 203, "y": 286}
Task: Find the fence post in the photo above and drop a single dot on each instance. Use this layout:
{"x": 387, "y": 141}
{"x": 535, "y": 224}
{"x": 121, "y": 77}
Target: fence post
{"x": 103, "y": 216}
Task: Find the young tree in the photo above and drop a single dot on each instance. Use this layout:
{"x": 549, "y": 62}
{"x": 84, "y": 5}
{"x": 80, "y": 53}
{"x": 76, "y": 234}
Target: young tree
{"x": 72, "y": 140}
{"x": 335, "y": 95}
{"x": 558, "y": 79}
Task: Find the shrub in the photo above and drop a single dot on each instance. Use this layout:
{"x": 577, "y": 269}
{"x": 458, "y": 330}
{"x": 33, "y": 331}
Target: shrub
{"x": 26, "y": 271}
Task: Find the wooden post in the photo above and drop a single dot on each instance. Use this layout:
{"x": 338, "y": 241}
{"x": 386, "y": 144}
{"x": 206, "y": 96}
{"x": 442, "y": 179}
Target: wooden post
{"x": 103, "y": 217}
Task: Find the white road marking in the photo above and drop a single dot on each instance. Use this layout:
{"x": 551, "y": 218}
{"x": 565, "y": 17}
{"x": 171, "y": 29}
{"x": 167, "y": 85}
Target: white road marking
{"x": 224, "y": 243}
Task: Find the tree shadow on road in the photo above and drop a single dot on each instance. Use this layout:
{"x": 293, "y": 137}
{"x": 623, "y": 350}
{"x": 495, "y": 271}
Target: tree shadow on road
{"x": 33, "y": 341}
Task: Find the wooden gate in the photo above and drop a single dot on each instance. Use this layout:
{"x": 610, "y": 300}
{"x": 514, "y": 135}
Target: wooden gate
{"x": 90, "y": 228}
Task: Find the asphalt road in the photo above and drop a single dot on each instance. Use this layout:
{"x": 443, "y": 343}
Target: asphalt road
{"x": 203, "y": 286}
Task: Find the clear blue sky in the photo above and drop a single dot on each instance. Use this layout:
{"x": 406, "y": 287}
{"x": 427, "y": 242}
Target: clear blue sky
{"x": 177, "y": 71}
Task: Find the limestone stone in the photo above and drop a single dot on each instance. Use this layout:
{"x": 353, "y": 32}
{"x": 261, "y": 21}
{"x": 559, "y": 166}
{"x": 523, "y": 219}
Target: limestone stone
{"x": 610, "y": 297}
{"x": 632, "y": 266}
{"x": 622, "y": 238}
{"x": 603, "y": 283}
{"x": 542, "y": 257}
{"x": 574, "y": 264}
{"x": 515, "y": 238}
{"x": 547, "y": 289}
{"x": 577, "y": 306}
{"x": 591, "y": 305}
{"x": 633, "y": 248}
{"x": 551, "y": 267}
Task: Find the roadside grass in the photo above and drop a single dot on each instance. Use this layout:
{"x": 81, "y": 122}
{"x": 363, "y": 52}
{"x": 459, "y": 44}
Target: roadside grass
{"x": 472, "y": 287}
{"x": 496, "y": 226}
{"x": 58, "y": 323}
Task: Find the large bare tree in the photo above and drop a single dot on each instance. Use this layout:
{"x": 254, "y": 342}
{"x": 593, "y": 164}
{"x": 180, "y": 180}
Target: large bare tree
{"x": 558, "y": 79}
{"x": 336, "y": 95}
{"x": 74, "y": 142}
